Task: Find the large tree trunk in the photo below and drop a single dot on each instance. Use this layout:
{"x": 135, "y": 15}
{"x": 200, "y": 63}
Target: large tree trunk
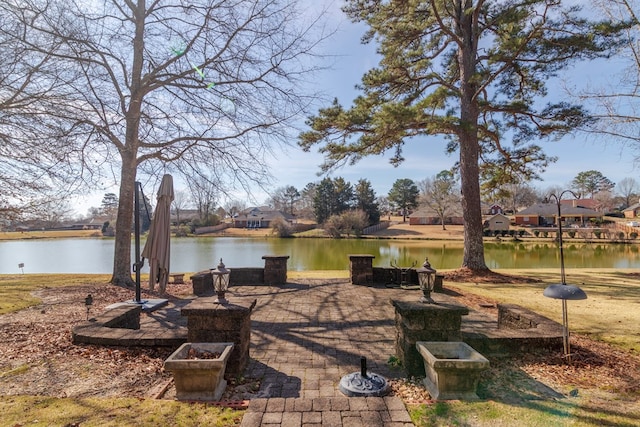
{"x": 122, "y": 262}
{"x": 473, "y": 257}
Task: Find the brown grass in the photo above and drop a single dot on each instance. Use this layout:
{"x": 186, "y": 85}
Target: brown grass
{"x": 48, "y": 234}
{"x": 608, "y": 314}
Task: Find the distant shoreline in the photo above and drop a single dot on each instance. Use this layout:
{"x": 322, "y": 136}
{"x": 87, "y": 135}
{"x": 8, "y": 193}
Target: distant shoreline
{"x": 397, "y": 231}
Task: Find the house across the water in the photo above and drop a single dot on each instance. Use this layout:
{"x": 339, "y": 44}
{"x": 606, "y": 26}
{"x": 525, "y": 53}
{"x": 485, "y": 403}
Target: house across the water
{"x": 260, "y": 217}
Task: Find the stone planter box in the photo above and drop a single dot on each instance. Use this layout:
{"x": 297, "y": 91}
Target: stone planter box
{"x": 199, "y": 379}
{"x": 452, "y": 369}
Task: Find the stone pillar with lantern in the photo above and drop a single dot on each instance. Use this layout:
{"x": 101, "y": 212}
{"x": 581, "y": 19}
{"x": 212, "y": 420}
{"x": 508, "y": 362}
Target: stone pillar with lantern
{"x": 425, "y": 320}
{"x": 218, "y": 320}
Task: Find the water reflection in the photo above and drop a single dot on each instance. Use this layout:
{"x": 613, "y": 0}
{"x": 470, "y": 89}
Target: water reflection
{"x": 196, "y": 254}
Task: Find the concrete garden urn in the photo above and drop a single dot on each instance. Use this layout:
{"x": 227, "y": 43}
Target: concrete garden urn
{"x": 452, "y": 369}
{"x": 198, "y": 370}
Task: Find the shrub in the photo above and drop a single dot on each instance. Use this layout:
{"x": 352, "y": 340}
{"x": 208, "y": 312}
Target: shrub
{"x": 333, "y": 225}
{"x": 182, "y": 231}
{"x": 571, "y": 233}
{"x": 281, "y": 227}
{"x": 597, "y": 233}
{"x": 349, "y": 222}
{"x": 633, "y": 235}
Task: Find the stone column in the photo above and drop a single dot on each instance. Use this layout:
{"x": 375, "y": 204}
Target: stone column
{"x": 231, "y": 322}
{"x": 437, "y": 285}
{"x": 275, "y": 269}
{"x": 361, "y": 269}
{"x": 418, "y": 321}
{"x": 202, "y": 283}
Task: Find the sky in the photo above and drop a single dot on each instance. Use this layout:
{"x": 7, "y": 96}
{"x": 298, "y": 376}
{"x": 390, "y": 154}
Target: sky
{"x": 425, "y": 156}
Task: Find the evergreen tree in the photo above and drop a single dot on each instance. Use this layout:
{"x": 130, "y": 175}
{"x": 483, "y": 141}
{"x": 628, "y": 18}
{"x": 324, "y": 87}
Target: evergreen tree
{"x": 109, "y": 204}
{"x": 292, "y": 195}
{"x": 366, "y": 201}
{"x": 472, "y": 70}
{"x": 343, "y": 193}
{"x": 307, "y": 200}
{"x": 404, "y": 196}
{"x": 591, "y": 182}
{"x": 324, "y": 203}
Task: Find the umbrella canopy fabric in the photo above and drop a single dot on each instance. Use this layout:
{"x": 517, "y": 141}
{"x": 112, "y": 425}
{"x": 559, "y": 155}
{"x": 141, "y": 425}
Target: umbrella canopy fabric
{"x": 157, "y": 247}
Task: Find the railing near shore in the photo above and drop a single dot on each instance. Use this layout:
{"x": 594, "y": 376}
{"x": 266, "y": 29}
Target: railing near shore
{"x": 382, "y": 225}
{"x": 213, "y": 228}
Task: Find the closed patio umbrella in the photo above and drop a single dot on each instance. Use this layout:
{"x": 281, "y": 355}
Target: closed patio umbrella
{"x": 157, "y": 247}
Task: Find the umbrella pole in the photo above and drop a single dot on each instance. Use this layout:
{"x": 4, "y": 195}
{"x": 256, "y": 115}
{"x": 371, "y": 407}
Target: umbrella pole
{"x": 138, "y": 264}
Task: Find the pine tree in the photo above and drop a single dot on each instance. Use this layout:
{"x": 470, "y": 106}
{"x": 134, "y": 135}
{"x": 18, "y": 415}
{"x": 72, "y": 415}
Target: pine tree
{"x": 472, "y": 70}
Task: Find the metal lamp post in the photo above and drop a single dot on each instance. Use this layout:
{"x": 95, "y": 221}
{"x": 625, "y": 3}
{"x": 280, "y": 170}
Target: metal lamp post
{"x": 562, "y": 291}
{"x": 427, "y": 279}
{"x": 220, "y": 282}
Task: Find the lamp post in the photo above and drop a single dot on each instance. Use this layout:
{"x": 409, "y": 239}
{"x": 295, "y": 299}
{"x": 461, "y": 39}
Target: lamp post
{"x": 220, "y": 282}
{"x": 427, "y": 279}
{"x": 563, "y": 291}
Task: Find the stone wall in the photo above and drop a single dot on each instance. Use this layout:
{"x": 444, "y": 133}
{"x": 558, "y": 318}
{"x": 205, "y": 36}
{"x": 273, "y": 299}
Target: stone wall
{"x": 246, "y": 276}
{"x": 273, "y": 274}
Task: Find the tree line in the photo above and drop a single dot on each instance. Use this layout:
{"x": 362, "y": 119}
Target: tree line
{"x": 343, "y": 208}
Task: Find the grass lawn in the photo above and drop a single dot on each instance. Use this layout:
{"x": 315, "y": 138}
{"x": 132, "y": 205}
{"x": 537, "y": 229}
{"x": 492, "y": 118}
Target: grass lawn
{"x": 608, "y": 314}
{"x": 592, "y": 409}
{"x": 39, "y": 411}
{"x": 15, "y": 289}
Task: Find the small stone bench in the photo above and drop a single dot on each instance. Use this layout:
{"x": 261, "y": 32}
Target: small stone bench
{"x": 177, "y": 279}
{"x": 519, "y": 330}
{"x": 512, "y": 316}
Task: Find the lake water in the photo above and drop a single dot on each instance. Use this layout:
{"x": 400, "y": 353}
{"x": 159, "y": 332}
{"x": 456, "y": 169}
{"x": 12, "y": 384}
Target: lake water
{"x": 196, "y": 254}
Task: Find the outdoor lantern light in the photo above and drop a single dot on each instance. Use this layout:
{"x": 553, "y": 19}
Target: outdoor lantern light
{"x": 220, "y": 282}
{"x": 427, "y": 279}
{"x": 562, "y": 291}
{"x": 88, "y": 302}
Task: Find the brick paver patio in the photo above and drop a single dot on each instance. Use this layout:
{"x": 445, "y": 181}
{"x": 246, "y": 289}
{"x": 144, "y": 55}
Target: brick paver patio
{"x": 305, "y": 336}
